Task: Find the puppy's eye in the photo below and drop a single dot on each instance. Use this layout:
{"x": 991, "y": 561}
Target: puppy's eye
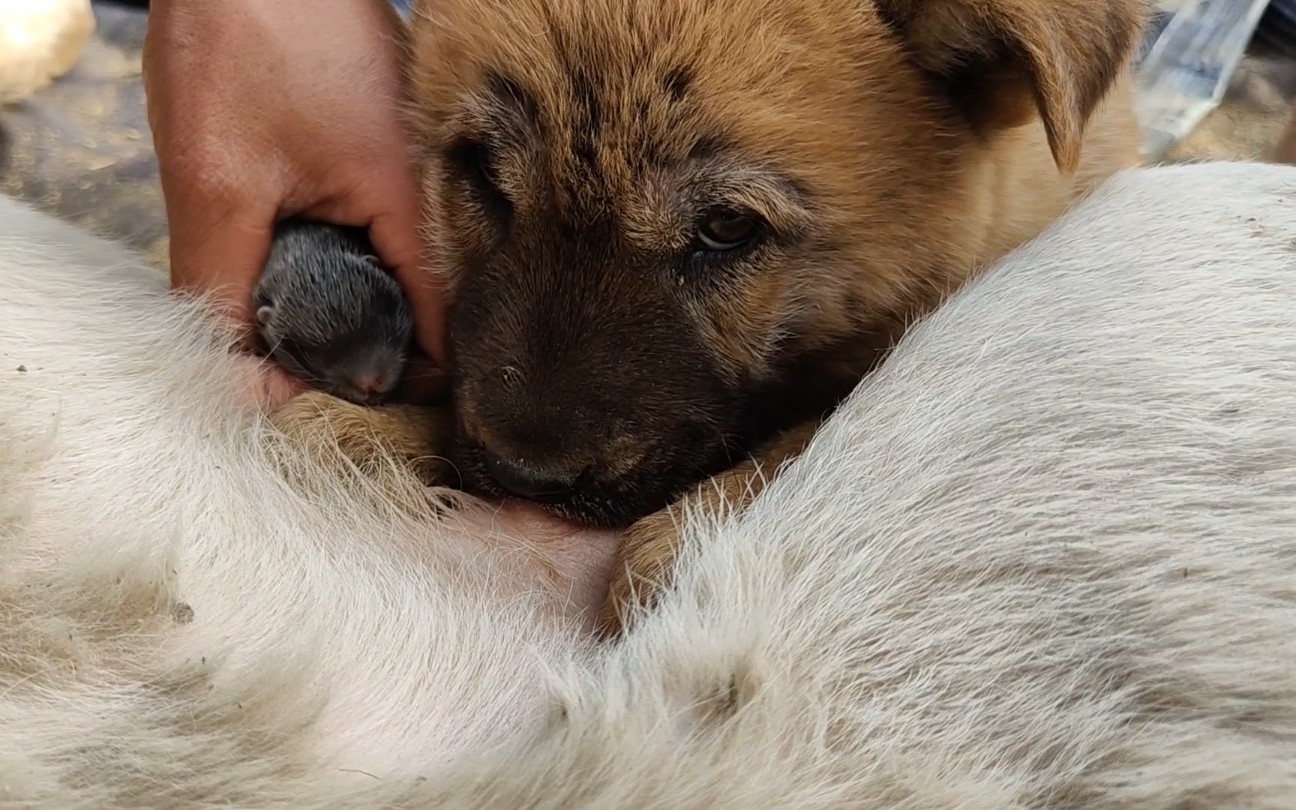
{"x": 723, "y": 230}
{"x": 475, "y": 161}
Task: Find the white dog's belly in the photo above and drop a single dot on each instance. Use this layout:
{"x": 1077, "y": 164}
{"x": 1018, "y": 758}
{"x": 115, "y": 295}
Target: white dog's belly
{"x": 1042, "y": 558}
{"x": 137, "y": 457}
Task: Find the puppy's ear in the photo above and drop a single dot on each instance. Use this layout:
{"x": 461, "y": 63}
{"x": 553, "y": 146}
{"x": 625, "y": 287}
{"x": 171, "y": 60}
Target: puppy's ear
{"x": 1004, "y": 61}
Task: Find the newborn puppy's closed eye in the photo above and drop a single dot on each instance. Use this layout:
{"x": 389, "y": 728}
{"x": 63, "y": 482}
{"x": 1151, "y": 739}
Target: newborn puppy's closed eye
{"x": 330, "y": 313}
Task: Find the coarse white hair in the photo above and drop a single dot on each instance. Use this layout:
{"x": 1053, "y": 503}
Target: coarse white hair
{"x": 1044, "y": 557}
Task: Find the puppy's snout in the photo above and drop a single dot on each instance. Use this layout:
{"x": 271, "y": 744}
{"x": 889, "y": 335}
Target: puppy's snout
{"x": 372, "y": 384}
{"x": 542, "y": 484}
{"x": 598, "y": 412}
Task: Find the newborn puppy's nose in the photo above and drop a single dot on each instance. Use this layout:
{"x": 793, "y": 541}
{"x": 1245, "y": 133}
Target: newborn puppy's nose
{"x": 370, "y": 385}
{"x": 533, "y": 485}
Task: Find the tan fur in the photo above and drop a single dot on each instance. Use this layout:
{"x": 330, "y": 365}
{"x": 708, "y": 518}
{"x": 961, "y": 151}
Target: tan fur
{"x": 898, "y": 145}
{"x": 341, "y": 433}
{"x": 645, "y": 557}
{"x": 873, "y": 136}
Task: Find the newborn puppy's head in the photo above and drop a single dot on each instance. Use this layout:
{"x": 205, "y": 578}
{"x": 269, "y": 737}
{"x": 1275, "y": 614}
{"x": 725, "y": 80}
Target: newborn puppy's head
{"x": 652, "y": 212}
{"x": 332, "y": 317}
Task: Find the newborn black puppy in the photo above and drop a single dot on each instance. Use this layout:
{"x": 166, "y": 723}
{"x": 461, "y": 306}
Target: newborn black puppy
{"x": 330, "y": 313}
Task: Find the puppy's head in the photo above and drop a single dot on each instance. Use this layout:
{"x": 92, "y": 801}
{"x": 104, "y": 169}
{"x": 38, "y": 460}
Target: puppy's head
{"x": 649, "y": 210}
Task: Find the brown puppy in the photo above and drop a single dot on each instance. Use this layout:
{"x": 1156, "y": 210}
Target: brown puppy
{"x": 678, "y": 232}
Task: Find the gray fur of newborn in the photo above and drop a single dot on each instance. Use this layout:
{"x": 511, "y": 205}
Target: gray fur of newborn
{"x": 330, "y": 313}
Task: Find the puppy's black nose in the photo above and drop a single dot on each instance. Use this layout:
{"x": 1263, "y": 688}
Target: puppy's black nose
{"x": 531, "y": 484}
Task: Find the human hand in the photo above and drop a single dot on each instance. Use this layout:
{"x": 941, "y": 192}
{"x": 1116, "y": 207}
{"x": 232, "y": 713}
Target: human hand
{"x": 264, "y": 109}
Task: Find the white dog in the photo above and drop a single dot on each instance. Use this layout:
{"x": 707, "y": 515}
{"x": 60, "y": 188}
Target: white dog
{"x": 1045, "y": 557}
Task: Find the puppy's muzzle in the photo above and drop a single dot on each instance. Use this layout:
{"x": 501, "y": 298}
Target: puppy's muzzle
{"x": 553, "y": 485}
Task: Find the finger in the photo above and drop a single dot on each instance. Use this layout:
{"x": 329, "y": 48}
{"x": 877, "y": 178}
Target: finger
{"x": 219, "y": 249}
{"x": 424, "y": 383}
{"x": 428, "y": 306}
{"x": 396, "y": 238}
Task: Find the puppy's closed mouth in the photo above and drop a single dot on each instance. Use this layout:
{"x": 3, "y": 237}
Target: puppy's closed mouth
{"x": 585, "y": 501}
{"x": 587, "y": 507}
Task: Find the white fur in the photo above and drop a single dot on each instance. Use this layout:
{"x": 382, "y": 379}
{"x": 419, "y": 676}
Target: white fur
{"x": 1045, "y": 557}
{"x": 138, "y": 485}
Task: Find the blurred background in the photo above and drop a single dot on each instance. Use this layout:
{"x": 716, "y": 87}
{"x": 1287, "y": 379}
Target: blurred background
{"x": 1217, "y": 79}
